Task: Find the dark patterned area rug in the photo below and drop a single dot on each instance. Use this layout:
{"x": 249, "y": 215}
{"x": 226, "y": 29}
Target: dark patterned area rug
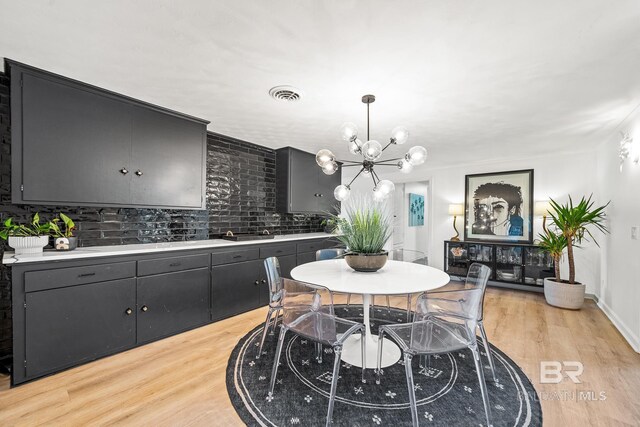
{"x": 447, "y": 392}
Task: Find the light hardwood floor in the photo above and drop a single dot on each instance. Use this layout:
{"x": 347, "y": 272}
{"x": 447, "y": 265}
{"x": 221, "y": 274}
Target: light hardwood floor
{"x": 181, "y": 380}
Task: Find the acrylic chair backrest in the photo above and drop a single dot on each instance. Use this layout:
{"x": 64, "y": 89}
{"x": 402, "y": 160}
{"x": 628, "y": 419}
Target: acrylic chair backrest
{"x": 477, "y": 277}
{"x": 409, "y": 255}
{"x": 308, "y": 310}
{"x": 272, "y": 266}
{"x": 457, "y": 312}
{"x": 324, "y": 254}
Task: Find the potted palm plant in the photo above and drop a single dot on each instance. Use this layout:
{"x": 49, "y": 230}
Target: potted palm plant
{"x": 28, "y": 238}
{"x": 64, "y": 238}
{"x": 571, "y": 226}
{"x": 364, "y": 230}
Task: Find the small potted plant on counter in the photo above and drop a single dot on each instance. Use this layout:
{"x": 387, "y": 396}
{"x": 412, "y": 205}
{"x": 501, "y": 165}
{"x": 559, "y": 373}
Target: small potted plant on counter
{"x": 570, "y": 227}
{"x": 64, "y": 238}
{"x": 26, "y": 239}
{"x": 364, "y": 229}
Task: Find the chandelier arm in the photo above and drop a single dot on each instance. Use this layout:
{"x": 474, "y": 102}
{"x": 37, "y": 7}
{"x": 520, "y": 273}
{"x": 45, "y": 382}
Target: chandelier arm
{"x": 373, "y": 176}
{"x": 392, "y": 141}
{"x": 354, "y": 178}
{"x": 390, "y": 160}
{"x": 387, "y": 164}
{"x": 355, "y": 164}
{"x": 349, "y": 161}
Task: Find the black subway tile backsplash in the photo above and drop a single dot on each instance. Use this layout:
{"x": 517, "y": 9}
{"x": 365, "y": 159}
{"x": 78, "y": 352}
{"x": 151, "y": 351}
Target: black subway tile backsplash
{"x": 240, "y": 197}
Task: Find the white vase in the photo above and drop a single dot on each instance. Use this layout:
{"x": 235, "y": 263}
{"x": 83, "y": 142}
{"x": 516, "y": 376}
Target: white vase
{"x": 564, "y": 295}
{"x": 28, "y": 245}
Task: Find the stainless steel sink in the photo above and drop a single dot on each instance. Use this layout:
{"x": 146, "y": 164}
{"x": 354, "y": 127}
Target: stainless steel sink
{"x": 239, "y": 237}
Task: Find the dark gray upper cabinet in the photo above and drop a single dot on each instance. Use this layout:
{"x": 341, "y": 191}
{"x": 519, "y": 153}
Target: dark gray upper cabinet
{"x": 302, "y": 187}
{"x": 76, "y": 144}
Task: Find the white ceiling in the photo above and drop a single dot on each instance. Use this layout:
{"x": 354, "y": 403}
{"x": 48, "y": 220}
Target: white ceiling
{"x": 473, "y": 81}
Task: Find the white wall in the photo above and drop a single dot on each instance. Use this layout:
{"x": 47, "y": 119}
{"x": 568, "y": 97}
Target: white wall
{"x": 555, "y": 176}
{"x": 620, "y": 290}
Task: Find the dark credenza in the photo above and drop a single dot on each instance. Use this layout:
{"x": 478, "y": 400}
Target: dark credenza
{"x": 516, "y": 264}
{"x": 77, "y": 144}
{"x": 66, "y": 313}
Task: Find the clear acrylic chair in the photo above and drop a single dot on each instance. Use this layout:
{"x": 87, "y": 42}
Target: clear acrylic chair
{"x": 307, "y": 310}
{"x": 444, "y": 321}
{"x": 471, "y": 282}
{"x": 333, "y": 253}
{"x": 408, "y": 255}
{"x": 274, "y": 281}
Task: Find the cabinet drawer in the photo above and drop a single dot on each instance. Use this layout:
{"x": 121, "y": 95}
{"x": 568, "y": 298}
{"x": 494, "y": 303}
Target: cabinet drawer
{"x": 278, "y": 250}
{"x": 61, "y": 277}
{"x": 167, "y": 265}
{"x": 228, "y": 257}
{"x": 316, "y": 245}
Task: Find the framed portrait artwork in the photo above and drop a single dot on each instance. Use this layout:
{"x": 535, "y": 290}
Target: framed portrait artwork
{"x": 499, "y": 207}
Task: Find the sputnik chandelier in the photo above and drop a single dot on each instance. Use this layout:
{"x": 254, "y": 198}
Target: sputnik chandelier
{"x": 371, "y": 151}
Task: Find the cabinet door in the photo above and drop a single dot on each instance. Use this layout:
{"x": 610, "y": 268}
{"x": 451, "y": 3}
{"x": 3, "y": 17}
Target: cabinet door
{"x": 172, "y": 302}
{"x": 167, "y": 160}
{"x": 305, "y": 258}
{"x": 74, "y": 144}
{"x": 76, "y": 324}
{"x": 326, "y": 185}
{"x": 287, "y": 263}
{"x": 303, "y": 182}
{"x": 235, "y": 288}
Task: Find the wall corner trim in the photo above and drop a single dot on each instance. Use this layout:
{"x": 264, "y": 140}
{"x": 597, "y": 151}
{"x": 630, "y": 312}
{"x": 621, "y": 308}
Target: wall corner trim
{"x": 624, "y": 330}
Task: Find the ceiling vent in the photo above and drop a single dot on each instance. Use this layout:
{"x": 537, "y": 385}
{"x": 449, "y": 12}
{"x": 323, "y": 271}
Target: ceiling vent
{"x": 285, "y": 93}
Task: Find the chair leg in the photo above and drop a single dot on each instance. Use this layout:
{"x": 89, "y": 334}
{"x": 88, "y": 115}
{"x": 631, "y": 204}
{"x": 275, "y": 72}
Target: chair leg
{"x": 379, "y": 362}
{"x": 319, "y": 352}
{"x": 348, "y": 299}
{"x": 337, "y": 351}
{"x": 412, "y": 393}
{"x": 363, "y": 349}
{"x": 487, "y": 349}
{"x": 276, "y": 360}
{"x": 388, "y": 305}
{"x": 275, "y": 319}
{"x": 408, "y": 308}
{"x": 483, "y": 385}
{"x": 267, "y": 322}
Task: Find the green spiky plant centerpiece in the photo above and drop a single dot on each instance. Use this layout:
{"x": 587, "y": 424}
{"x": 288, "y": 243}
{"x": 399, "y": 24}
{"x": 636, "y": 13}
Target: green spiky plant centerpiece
{"x": 364, "y": 229}
{"x": 571, "y": 226}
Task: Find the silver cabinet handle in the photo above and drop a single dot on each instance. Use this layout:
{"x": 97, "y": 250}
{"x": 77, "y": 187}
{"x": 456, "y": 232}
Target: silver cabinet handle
{"x": 139, "y": 172}
{"x": 124, "y": 171}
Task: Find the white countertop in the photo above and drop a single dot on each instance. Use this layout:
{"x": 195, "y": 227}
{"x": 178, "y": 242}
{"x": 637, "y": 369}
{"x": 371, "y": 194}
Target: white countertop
{"x": 144, "y": 248}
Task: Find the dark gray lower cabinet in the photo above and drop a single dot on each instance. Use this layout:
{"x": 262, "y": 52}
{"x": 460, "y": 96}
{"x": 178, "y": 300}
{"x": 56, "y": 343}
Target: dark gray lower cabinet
{"x": 306, "y": 257}
{"x": 287, "y": 263}
{"x": 172, "y": 302}
{"x": 69, "y": 313}
{"x": 68, "y": 326}
{"x": 235, "y": 287}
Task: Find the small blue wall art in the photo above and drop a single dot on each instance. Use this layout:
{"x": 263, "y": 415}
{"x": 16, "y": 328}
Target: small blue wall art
{"x": 416, "y": 210}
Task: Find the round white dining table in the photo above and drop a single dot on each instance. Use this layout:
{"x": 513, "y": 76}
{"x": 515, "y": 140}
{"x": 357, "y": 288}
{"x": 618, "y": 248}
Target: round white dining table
{"x": 395, "y": 278}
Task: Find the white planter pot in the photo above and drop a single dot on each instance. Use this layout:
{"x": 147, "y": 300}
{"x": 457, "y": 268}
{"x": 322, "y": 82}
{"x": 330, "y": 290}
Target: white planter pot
{"x": 564, "y": 295}
{"x": 28, "y": 245}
